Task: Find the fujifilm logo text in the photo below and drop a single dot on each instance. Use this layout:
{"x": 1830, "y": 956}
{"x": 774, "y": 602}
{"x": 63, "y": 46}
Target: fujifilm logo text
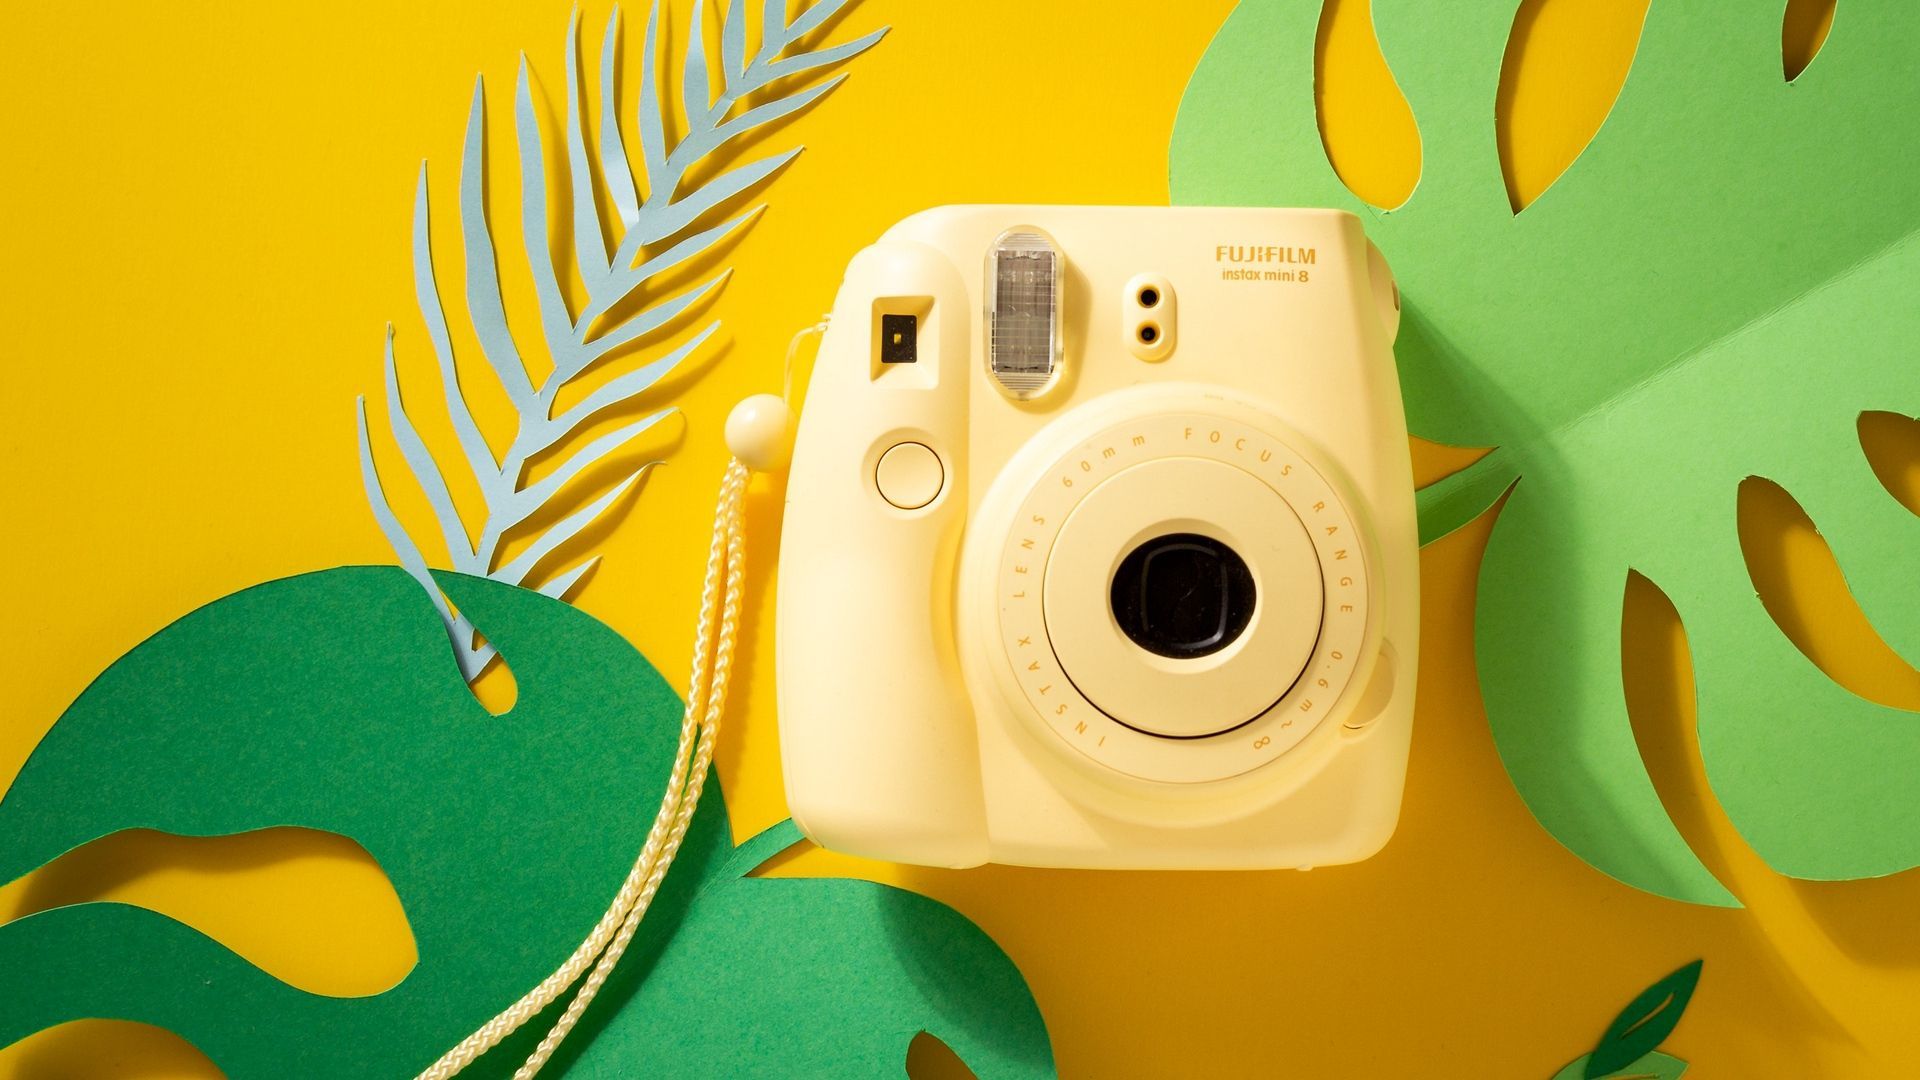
{"x": 1268, "y": 263}
{"x": 1234, "y": 253}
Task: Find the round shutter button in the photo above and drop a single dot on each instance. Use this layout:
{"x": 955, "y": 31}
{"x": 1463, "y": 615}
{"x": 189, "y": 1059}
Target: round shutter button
{"x": 909, "y": 475}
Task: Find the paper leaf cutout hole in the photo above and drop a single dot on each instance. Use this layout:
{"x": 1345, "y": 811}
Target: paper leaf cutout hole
{"x": 134, "y": 1050}
{"x": 1372, "y": 137}
{"x": 495, "y": 688}
{"x": 1802, "y": 31}
{"x": 1656, "y": 675}
{"x": 928, "y": 1058}
{"x": 1892, "y": 445}
{"x": 283, "y": 898}
{"x": 1547, "y": 110}
{"x": 1801, "y": 584}
{"x": 1366, "y": 127}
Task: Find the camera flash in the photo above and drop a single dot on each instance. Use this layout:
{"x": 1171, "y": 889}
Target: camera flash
{"x": 1023, "y": 311}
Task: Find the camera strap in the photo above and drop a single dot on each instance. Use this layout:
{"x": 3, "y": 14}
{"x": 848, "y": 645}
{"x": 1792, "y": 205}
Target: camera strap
{"x": 758, "y": 434}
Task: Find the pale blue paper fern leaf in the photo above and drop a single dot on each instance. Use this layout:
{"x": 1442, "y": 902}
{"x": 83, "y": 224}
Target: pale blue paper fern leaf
{"x": 651, "y": 236}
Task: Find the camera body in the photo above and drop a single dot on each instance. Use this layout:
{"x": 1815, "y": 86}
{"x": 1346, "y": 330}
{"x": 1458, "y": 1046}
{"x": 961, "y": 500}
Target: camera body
{"x": 1100, "y": 546}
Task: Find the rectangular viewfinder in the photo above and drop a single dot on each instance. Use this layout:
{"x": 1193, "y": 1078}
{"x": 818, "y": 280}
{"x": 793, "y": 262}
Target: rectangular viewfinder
{"x": 899, "y": 339}
{"x": 904, "y": 343}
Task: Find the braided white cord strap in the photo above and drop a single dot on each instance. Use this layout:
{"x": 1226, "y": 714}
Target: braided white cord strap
{"x": 699, "y": 727}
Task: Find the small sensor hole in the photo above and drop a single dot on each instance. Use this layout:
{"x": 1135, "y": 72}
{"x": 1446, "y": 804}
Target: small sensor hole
{"x": 1149, "y": 333}
{"x": 1149, "y": 296}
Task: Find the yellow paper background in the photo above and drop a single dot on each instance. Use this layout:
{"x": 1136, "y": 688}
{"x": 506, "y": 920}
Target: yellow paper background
{"x": 205, "y": 219}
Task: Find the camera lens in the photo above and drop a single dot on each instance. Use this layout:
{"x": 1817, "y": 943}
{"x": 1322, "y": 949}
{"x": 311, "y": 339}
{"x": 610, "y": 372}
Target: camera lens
{"x": 1183, "y": 595}
{"x": 1149, "y": 296}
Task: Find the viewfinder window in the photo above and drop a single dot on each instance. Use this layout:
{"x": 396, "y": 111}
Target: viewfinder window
{"x": 899, "y": 339}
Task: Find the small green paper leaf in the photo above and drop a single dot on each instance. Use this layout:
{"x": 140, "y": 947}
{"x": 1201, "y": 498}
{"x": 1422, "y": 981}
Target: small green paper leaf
{"x": 1645, "y": 1023}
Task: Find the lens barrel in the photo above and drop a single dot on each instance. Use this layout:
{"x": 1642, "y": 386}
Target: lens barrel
{"x": 1183, "y": 595}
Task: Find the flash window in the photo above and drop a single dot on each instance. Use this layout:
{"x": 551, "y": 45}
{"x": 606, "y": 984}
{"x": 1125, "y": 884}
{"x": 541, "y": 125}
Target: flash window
{"x": 1023, "y": 311}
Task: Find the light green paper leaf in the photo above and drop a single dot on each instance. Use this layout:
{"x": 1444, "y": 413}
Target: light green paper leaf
{"x": 1716, "y": 289}
{"x": 623, "y": 304}
{"x": 328, "y": 701}
{"x": 1654, "y": 1066}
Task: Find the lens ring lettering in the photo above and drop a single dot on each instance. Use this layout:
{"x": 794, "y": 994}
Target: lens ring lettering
{"x": 1077, "y": 722}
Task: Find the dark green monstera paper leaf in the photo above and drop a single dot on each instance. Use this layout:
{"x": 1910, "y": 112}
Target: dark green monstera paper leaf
{"x": 1717, "y": 289}
{"x": 331, "y": 701}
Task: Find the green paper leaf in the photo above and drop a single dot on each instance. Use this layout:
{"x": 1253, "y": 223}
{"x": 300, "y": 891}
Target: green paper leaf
{"x": 833, "y": 978}
{"x": 1652, "y": 1066}
{"x": 1716, "y": 289}
{"x": 1645, "y": 1023}
{"x": 331, "y": 701}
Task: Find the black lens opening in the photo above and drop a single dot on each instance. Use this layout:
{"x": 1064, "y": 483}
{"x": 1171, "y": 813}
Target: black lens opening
{"x": 1182, "y": 595}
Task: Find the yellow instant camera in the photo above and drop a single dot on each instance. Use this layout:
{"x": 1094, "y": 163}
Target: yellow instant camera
{"x": 1100, "y": 546}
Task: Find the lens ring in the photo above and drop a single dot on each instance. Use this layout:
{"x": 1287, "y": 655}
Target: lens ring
{"x": 1157, "y": 467}
{"x": 1183, "y": 595}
